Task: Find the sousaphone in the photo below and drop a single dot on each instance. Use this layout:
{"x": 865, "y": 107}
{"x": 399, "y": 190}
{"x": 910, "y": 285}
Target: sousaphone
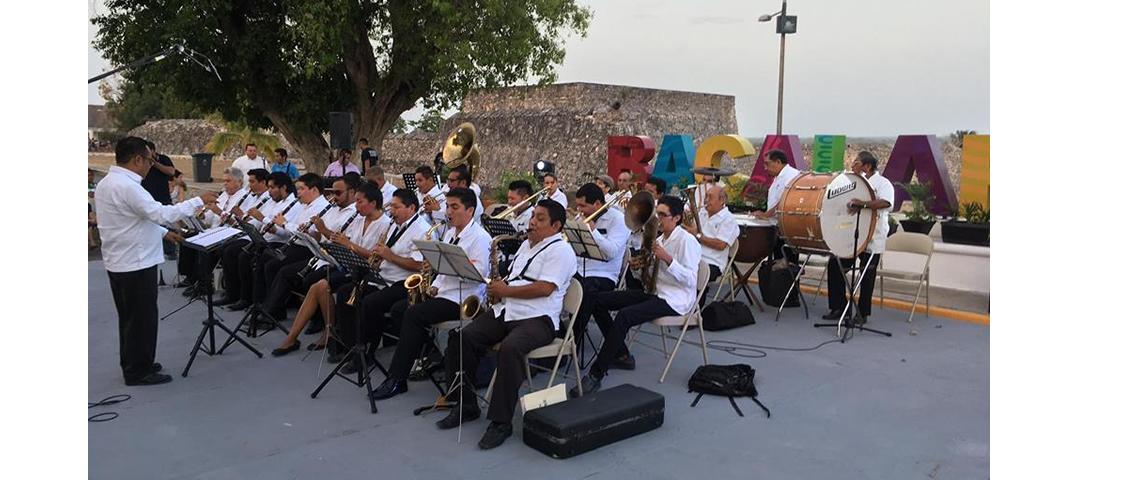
{"x": 460, "y": 149}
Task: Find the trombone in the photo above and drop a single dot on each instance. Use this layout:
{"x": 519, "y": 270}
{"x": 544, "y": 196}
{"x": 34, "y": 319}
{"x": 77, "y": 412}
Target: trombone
{"x": 519, "y": 206}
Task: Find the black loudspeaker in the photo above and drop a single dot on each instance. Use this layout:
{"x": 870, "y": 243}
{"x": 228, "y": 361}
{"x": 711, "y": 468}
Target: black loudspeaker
{"x": 340, "y": 130}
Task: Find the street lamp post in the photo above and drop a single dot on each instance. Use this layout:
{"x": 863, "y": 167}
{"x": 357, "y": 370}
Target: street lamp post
{"x": 785, "y": 24}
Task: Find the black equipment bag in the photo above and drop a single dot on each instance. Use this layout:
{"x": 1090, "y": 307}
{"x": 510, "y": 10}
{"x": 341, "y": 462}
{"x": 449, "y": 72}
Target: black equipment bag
{"x": 726, "y": 381}
{"x": 725, "y": 315}
{"x": 775, "y": 279}
{"x": 579, "y": 425}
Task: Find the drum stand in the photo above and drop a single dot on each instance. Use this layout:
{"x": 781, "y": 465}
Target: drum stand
{"x": 851, "y": 318}
{"x": 790, "y": 252}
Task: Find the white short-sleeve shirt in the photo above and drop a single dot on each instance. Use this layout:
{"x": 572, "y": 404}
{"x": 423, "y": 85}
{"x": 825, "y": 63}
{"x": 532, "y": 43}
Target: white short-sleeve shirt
{"x": 884, "y": 190}
{"x": 723, "y": 227}
{"x": 550, "y": 260}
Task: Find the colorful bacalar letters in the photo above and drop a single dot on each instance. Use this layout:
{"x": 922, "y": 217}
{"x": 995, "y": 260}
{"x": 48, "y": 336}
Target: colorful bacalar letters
{"x": 921, "y": 155}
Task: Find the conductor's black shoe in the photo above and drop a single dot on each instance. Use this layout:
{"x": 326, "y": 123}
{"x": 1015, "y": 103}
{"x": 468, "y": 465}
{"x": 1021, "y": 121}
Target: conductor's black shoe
{"x": 624, "y": 363}
{"x": 590, "y": 384}
{"x": 225, "y": 300}
{"x": 241, "y": 305}
{"x": 495, "y": 435}
{"x": 390, "y": 388}
{"x": 151, "y": 379}
{"x": 278, "y": 352}
{"x": 314, "y": 327}
{"x": 156, "y": 367}
{"x": 833, "y": 315}
{"x": 469, "y": 412}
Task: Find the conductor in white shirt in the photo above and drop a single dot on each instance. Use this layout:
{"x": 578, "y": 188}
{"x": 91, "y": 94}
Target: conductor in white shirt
{"x": 130, "y": 224}
{"x": 867, "y": 165}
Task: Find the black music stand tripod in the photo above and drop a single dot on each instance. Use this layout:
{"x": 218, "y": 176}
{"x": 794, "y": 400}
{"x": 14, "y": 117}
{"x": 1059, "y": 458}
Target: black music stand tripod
{"x": 852, "y": 318}
{"x": 359, "y": 272}
{"x": 207, "y": 279}
{"x": 256, "y": 247}
{"x": 581, "y": 240}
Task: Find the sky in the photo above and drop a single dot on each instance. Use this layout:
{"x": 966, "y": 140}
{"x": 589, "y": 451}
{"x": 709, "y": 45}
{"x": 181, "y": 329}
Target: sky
{"x": 860, "y": 68}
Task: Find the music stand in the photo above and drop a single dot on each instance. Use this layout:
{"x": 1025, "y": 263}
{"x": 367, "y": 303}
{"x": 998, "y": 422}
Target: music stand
{"x": 207, "y": 243}
{"x": 257, "y": 245}
{"x": 359, "y": 272}
{"x": 410, "y": 181}
{"x": 581, "y": 239}
{"x": 856, "y": 320}
{"x": 452, "y": 260}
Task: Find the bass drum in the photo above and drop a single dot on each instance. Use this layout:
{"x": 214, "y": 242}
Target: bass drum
{"x": 813, "y": 213}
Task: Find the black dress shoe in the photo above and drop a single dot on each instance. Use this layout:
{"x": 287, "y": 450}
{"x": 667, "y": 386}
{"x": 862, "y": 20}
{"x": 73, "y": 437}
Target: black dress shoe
{"x": 495, "y": 435}
{"x": 156, "y": 367}
{"x": 279, "y": 352}
{"x": 151, "y": 379}
{"x": 469, "y": 412}
{"x": 241, "y": 305}
{"x": 833, "y": 315}
{"x": 390, "y": 388}
{"x": 624, "y": 363}
{"x": 221, "y": 302}
{"x": 314, "y": 328}
{"x": 590, "y": 384}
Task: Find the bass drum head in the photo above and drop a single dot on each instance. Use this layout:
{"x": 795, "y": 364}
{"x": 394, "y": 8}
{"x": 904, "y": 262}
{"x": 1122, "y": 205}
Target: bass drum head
{"x": 837, "y": 224}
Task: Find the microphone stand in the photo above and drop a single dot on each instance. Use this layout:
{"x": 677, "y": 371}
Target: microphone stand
{"x": 852, "y": 318}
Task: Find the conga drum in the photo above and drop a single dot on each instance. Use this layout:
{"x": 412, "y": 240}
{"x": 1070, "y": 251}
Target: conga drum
{"x": 813, "y": 214}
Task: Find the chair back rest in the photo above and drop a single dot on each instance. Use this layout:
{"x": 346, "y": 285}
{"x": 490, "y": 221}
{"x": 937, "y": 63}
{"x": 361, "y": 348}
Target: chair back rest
{"x": 571, "y": 303}
{"x": 910, "y": 242}
{"x": 702, "y": 279}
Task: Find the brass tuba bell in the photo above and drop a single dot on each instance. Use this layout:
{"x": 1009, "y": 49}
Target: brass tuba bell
{"x": 460, "y": 149}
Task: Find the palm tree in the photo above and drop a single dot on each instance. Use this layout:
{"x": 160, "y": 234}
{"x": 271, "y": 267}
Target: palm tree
{"x": 237, "y": 134}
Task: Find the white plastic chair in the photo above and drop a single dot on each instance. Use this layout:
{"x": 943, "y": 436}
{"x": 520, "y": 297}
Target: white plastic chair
{"x": 557, "y": 348}
{"x": 910, "y": 243}
{"x": 693, "y": 316}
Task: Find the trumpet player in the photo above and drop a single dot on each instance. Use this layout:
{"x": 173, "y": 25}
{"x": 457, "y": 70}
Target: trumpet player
{"x": 444, "y": 295}
{"x": 398, "y": 258}
{"x": 679, "y": 257}
{"x": 288, "y": 278}
{"x": 243, "y": 277}
{"x": 518, "y": 191}
{"x": 550, "y": 184}
{"x": 716, "y": 231}
{"x": 361, "y": 236}
{"x": 430, "y": 195}
{"x": 526, "y": 318}
{"x": 610, "y": 232}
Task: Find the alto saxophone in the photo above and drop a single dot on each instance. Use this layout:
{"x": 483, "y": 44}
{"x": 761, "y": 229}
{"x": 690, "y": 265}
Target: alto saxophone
{"x": 473, "y": 305}
{"x": 374, "y": 261}
{"x": 419, "y": 284}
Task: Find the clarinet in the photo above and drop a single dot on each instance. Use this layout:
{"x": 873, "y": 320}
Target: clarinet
{"x": 227, "y": 215}
{"x": 304, "y": 272}
{"x": 265, "y": 229}
{"x": 245, "y": 218}
{"x": 305, "y": 226}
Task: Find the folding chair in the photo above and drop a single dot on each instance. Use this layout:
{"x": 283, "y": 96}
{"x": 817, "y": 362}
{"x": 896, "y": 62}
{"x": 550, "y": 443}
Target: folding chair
{"x": 693, "y": 316}
{"x": 915, "y": 244}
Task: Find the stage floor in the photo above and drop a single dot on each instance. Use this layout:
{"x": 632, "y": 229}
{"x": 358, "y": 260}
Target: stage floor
{"x": 909, "y": 406}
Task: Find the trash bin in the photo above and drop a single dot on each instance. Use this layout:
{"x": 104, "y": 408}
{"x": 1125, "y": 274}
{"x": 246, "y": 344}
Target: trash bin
{"x": 203, "y": 162}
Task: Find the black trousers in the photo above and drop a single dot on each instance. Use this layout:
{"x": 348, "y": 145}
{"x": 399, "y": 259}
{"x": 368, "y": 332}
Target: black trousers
{"x": 591, "y": 287}
{"x": 517, "y": 337}
{"x": 837, "y": 287}
{"x": 251, "y": 271}
{"x": 634, "y": 308}
{"x": 231, "y": 265}
{"x": 415, "y": 322}
{"x": 136, "y": 301}
{"x": 714, "y": 275}
{"x": 188, "y": 263}
{"x": 287, "y": 280}
{"x": 370, "y": 306}
{"x": 273, "y": 265}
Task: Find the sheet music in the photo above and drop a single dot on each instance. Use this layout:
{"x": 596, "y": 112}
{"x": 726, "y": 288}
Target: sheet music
{"x": 213, "y": 236}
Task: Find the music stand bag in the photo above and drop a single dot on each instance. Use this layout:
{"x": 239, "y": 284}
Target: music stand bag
{"x": 579, "y": 425}
{"x": 776, "y": 278}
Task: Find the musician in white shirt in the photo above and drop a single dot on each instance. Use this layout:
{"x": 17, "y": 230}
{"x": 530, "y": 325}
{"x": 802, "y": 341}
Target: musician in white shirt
{"x": 282, "y": 199}
{"x": 249, "y": 161}
{"x": 657, "y": 187}
{"x": 259, "y": 197}
{"x": 232, "y": 195}
{"x": 550, "y": 184}
{"x": 312, "y": 204}
{"x": 460, "y": 177}
{"x": 678, "y": 255}
{"x": 361, "y": 235}
{"x": 399, "y": 258}
{"x": 130, "y": 225}
{"x": 776, "y": 163}
{"x": 517, "y": 191}
{"x": 430, "y": 195}
{"x": 376, "y": 175}
{"x": 611, "y": 234}
{"x": 718, "y": 231}
{"x": 867, "y": 165}
{"x": 527, "y": 317}
{"x": 444, "y": 295}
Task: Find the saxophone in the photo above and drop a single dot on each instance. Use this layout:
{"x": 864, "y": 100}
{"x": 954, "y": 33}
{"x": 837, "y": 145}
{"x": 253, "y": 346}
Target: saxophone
{"x": 374, "y": 261}
{"x": 473, "y": 305}
{"x": 419, "y": 284}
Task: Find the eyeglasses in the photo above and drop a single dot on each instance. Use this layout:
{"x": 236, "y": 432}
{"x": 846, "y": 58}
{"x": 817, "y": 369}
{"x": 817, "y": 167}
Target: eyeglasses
{"x": 664, "y": 214}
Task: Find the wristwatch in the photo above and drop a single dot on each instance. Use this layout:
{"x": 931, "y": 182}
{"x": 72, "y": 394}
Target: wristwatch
{"x": 700, "y": 235}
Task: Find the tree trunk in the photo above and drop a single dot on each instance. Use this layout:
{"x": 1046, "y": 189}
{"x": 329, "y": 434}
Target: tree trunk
{"x": 310, "y": 147}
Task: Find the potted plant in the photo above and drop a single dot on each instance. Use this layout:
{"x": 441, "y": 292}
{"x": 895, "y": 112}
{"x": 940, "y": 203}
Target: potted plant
{"x": 743, "y": 195}
{"x": 974, "y": 229}
{"x": 892, "y": 224}
{"x": 918, "y": 219}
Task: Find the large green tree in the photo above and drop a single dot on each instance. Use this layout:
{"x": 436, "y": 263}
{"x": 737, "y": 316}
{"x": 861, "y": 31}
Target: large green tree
{"x": 287, "y": 63}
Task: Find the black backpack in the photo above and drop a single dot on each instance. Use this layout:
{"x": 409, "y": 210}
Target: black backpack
{"x": 727, "y": 381}
{"x": 775, "y": 280}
